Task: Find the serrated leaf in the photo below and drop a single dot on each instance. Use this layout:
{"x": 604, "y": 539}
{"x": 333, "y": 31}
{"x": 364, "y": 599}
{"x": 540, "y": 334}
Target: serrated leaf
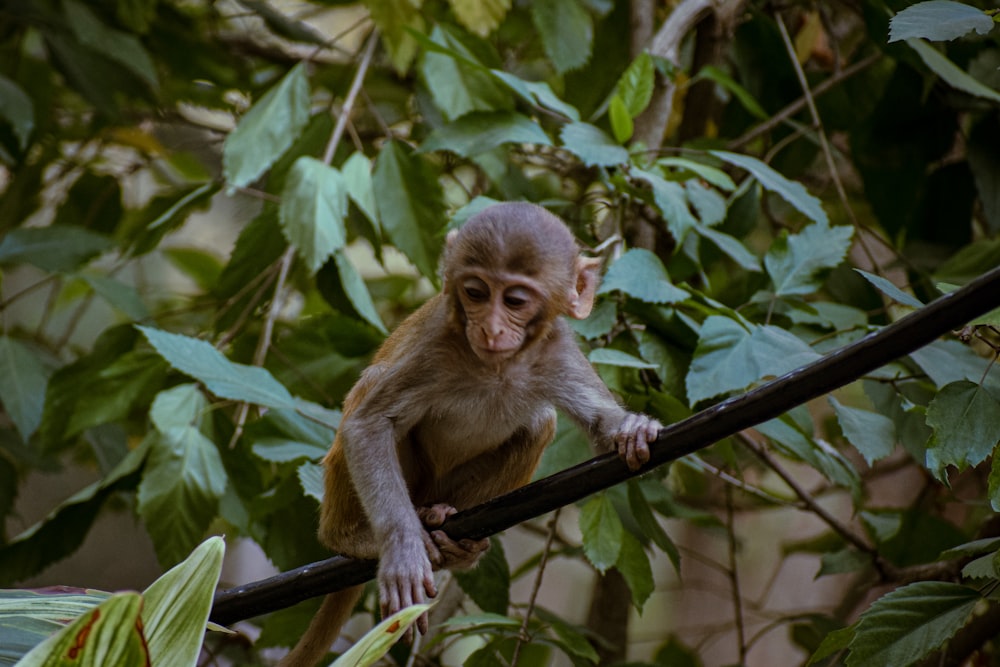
{"x": 592, "y": 145}
{"x": 602, "y": 532}
{"x": 376, "y": 642}
{"x": 716, "y": 177}
{"x": 480, "y": 17}
{"x": 731, "y": 246}
{"x": 284, "y": 450}
{"x": 798, "y": 263}
{"x": 612, "y": 357}
{"x": 950, "y": 72}
{"x": 567, "y": 32}
{"x": 834, "y": 642}
{"x": 410, "y": 204}
{"x": 672, "y": 201}
{"x": 966, "y": 422}
{"x": 121, "y": 47}
{"x": 633, "y": 563}
{"x": 796, "y": 441}
{"x": 621, "y": 122}
{"x": 641, "y": 275}
{"x": 731, "y": 356}
{"x": 357, "y": 173}
{"x": 458, "y": 81}
{"x": 357, "y": 292}
{"x": 488, "y": 584}
{"x": 872, "y": 434}
{"x": 635, "y": 87}
{"x": 113, "y": 391}
{"x": 109, "y": 634}
{"x": 23, "y": 382}
{"x": 267, "y": 130}
{"x": 122, "y": 297}
{"x": 221, "y": 376}
{"x": 398, "y": 20}
{"x": 938, "y": 20}
{"x": 651, "y": 528}
{"x": 481, "y": 132}
{"x": 886, "y": 287}
{"x": 311, "y": 479}
{"x": 52, "y": 248}
{"x": 17, "y": 110}
{"x": 176, "y": 606}
{"x": 707, "y": 202}
{"x": 792, "y": 192}
{"x": 538, "y": 93}
{"x": 909, "y": 623}
{"x": 313, "y": 208}
{"x": 180, "y": 490}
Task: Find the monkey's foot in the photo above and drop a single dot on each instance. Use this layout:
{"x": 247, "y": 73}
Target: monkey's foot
{"x": 450, "y": 554}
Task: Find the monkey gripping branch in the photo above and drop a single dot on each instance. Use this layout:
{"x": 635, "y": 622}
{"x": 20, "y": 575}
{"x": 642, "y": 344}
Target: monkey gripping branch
{"x": 836, "y": 369}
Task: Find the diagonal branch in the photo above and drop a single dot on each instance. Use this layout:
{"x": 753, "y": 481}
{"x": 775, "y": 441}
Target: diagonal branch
{"x": 774, "y": 398}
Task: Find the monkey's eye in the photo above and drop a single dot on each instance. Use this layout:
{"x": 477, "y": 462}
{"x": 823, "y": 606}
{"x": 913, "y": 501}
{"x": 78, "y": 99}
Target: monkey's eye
{"x": 476, "y": 293}
{"x": 516, "y": 298}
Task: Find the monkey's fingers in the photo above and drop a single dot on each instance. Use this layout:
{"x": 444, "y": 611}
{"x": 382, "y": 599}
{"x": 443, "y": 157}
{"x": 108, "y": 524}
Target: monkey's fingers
{"x": 460, "y": 555}
{"x": 433, "y": 516}
{"x": 633, "y": 437}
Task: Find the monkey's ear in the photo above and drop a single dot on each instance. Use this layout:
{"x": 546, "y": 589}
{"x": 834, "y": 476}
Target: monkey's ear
{"x": 581, "y": 298}
{"x": 450, "y": 237}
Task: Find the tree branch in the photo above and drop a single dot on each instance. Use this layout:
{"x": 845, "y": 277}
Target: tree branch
{"x": 731, "y": 416}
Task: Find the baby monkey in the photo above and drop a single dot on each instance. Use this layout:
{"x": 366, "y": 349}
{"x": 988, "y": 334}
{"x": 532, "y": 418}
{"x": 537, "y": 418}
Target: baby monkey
{"x": 457, "y": 406}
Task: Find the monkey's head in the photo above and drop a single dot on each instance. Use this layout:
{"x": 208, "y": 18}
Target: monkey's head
{"x": 509, "y": 272}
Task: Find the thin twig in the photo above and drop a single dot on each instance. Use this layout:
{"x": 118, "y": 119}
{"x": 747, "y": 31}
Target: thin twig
{"x": 352, "y": 94}
{"x": 733, "y": 573}
{"x": 522, "y": 635}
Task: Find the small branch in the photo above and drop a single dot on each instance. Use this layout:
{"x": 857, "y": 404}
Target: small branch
{"x": 352, "y": 94}
{"x": 733, "y": 572}
{"x": 522, "y": 635}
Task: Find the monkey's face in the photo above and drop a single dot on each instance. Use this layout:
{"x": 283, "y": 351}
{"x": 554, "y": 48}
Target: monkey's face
{"x": 499, "y": 310}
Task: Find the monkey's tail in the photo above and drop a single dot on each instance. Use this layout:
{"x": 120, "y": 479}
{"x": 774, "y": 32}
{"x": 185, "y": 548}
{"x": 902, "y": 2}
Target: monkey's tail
{"x": 324, "y": 628}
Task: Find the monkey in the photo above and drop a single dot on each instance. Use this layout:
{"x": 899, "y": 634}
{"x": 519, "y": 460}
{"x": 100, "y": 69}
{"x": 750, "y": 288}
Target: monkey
{"x": 457, "y": 406}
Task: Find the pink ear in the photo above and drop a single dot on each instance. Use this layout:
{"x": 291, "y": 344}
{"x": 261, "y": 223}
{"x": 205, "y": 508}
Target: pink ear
{"x": 581, "y": 298}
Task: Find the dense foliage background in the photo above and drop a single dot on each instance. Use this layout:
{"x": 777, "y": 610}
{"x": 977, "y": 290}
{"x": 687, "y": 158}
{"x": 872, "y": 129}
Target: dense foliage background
{"x": 264, "y": 189}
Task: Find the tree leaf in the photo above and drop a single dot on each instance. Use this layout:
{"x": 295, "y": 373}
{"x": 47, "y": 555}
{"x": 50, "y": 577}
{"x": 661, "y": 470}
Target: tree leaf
{"x": 909, "y": 623}
{"x": 488, "y": 584}
{"x": 872, "y": 434}
{"x": 712, "y": 175}
{"x": 641, "y": 275}
{"x": 461, "y": 84}
{"x": 886, "y": 287}
{"x": 480, "y": 16}
{"x": 950, "y": 72}
{"x": 792, "y": 192}
{"x": 357, "y": 292}
{"x": 635, "y": 87}
{"x": 176, "y": 606}
{"x": 592, "y": 145}
{"x": 376, "y": 642}
{"x": 538, "y": 93}
{"x": 798, "y": 263}
{"x": 221, "y": 376}
{"x": 53, "y": 248}
{"x": 651, "y": 528}
{"x": 672, "y": 201}
{"x": 602, "y": 531}
{"x": 480, "y": 132}
{"x": 311, "y": 480}
{"x": 109, "y": 634}
{"x": 567, "y": 32}
{"x": 17, "y": 109}
{"x": 115, "y": 390}
{"x": 180, "y": 490}
{"x": 938, "y": 20}
{"x": 966, "y": 422}
{"x": 313, "y": 208}
{"x": 731, "y": 356}
{"x": 796, "y": 441}
{"x": 947, "y": 361}
{"x": 120, "y": 47}
{"x": 633, "y": 563}
{"x": 410, "y": 204}
{"x": 357, "y": 173}
{"x": 707, "y": 202}
{"x": 742, "y": 95}
{"x": 267, "y": 130}
{"x": 23, "y": 382}
{"x": 621, "y": 123}
{"x": 612, "y": 357}
{"x": 731, "y": 246}
{"x": 122, "y": 297}
{"x": 398, "y": 21}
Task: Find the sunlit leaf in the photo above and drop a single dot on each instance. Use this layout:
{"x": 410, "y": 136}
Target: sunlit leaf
{"x": 592, "y": 145}
{"x": 602, "y": 531}
{"x": 635, "y": 87}
{"x": 567, "y": 32}
{"x": 480, "y": 16}
{"x": 357, "y": 173}
{"x": 376, "y": 642}
{"x": 792, "y": 192}
{"x": 799, "y": 263}
{"x": 641, "y": 275}
{"x": 313, "y": 208}
{"x": 621, "y": 123}
{"x": 938, "y": 20}
{"x": 462, "y": 84}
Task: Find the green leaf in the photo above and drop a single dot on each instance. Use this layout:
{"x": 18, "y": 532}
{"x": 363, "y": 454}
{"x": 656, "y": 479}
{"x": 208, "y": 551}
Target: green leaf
{"x": 672, "y": 201}
{"x": 538, "y": 93}
{"x": 966, "y": 422}
{"x": 284, "y": 450}
{"x": 313, "y": 208}
{"x": 488, "y": 584}
{"x": 707, "y": 202}
{"x": 742, "y": 95}
{"x": 201, "y": 266}
{"x": 872, "y": 434}
{"x": 122, "y": 297}
{"x": 731, "y": 247}
{"x": 460, "y": 85}
{"x": 592, "y": 145}
{"x": 481, "y": 132}
{"x": 909, "y": 623}
{"x": 52, "y": 248}
{"x": 651, "y": 528}
{"x": 950, "y": 72}
{"x": 267, "y": 130}
{"x": 947, "y": 361}
{"x": 795, "y": 441}
{"x": 612, "y": 357}
{"x": 357, "y": 173}
{"x": 833, "y": 643}
{"x": 799, "y": 263}
{"x": 641, "y": 275}
{"x": 376, "y": 642}
{"x": 17, "y": 110}
{"x": 23, "y": 382}
{"x": 410, "y": 204}
{"x": 731, "y": 356}
{"x": 713, "y": 176}
{"x": 180, "y": 490}
{"x": 109, "y": 634}
{"x": 176, "y": 606}
{"x": 398, "y": 20}
{"x": 621, "y": 123}
{"x": 357, "y": 292}
{"x": 633, "y": 563}
{"x": 121, "y": 47}
{"x": 311, "y": 480}
{"x": 115, "y": 390}
{"x": 221, "y": 376}
{"x": 566, "y": 30}
{"x": 792, "y": 192}
{"x": 27, "y": 617}
{"x": 886, "y": 287}
{"x": 635, "y": 87}
{"x": 993, "y": 483}
{"x": 938, "y": 20}
{"x": 602, "y": 532}
{"x": 480, "y": 16}
{"x": 178, "y": 407}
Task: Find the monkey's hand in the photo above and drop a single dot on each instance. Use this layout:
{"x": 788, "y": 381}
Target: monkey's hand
{"x": 452, "y": 555}
{"x": 633, "y": 437}
{"x": 405, "y": 577}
